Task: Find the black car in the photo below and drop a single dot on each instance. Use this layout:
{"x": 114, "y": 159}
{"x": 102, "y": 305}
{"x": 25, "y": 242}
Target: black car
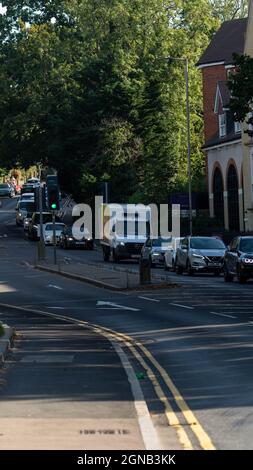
{"x": 67, "y": 240}
{"x": 238, "y": 260}
{"x": 6, "y": 190}
{"x": 27, "y": 188}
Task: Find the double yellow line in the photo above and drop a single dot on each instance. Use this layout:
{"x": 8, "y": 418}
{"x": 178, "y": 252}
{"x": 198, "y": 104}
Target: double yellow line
{"x": 141, "y": 353}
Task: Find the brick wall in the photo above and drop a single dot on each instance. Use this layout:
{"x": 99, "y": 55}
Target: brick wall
{"x": 211, "y": 76}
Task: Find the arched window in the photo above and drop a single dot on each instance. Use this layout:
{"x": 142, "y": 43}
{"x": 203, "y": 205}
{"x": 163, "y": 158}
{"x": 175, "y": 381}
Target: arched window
{"x": 218, "y": 200}
{"x": 233, "y": 201}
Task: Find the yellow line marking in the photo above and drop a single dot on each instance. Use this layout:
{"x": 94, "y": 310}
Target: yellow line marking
{"x": 189, "y": 416}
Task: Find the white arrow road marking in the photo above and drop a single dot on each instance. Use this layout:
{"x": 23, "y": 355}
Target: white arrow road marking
{"x": 113, "y": 306}
{"x": 55, "y": 287}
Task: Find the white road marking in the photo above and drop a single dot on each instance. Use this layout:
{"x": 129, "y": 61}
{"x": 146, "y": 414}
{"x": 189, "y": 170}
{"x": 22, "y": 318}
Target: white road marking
{"x": 148, "y": 431}
{"x": 223, "y": 315}
{"x": 57, "y": 308}
{"x": 183, "y": 306}
{"x": 55, "y": 287}
{"x": 148, "y": 298}
{"x": 115, "y": 306}
{"x": 45, "y": 359}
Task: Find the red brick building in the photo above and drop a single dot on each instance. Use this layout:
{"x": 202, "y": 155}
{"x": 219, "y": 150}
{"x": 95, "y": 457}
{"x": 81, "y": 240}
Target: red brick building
{"x": 223, "y": 142}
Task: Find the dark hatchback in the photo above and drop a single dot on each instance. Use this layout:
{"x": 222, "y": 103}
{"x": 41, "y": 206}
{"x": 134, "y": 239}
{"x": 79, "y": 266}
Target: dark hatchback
{"x": 238, "y": 261}
{"x": 67, "y": 240}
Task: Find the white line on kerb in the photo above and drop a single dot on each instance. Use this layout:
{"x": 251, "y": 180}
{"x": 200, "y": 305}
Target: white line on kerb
{"x": 183, "y": 306}
{"x": 148, "y": 298}
{"x": 222, "y": 315}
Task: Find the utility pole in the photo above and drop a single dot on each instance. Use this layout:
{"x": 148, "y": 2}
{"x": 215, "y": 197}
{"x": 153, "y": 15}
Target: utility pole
{"x": 54, "y": 239}
{"x": 186, "y": 69}
{"x": 41, "y": 243}
{"x": 188, "y": 141}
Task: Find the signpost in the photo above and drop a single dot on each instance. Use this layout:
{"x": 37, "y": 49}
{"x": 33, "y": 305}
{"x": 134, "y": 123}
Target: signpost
{"x": 41, "y": 243}
{"x": 53, "y": 199}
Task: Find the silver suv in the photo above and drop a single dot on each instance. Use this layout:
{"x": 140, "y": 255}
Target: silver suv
{"x": 200, "y": 254}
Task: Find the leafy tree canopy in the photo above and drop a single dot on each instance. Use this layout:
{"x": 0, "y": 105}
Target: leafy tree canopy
{"x": 241, "y": 87}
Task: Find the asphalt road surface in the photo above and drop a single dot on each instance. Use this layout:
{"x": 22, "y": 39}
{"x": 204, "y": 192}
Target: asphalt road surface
{"x": 190, "y": 347}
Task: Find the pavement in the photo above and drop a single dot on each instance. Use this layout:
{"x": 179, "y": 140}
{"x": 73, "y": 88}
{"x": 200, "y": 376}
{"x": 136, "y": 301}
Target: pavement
{"x": 102, "y": 275}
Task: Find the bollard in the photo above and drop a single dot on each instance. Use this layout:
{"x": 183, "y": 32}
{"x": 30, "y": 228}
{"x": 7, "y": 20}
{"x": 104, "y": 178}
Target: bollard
{"x": 145, "y": 271}
{"x": 41, "y": 250}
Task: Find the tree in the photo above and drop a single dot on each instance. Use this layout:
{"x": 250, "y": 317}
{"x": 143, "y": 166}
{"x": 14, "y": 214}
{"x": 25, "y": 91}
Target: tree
{"x": 92, "y": 94}
{"x": 241, "y": 87}
{"x": 229, "y": 9}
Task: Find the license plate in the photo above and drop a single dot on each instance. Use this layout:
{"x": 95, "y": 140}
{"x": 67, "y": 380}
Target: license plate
{"x": 135, "y": 256}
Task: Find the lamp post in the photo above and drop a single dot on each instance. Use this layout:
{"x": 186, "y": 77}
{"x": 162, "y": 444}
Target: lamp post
{"x": 186, "y": 71}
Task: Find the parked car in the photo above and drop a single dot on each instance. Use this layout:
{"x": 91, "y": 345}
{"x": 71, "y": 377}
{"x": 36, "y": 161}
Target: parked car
{"x": 27, "y": 188}
{"x": 27, "y": 197}
{"x": 238, "y": 261}
{"x": 6, "y": 190}
{"x": 200, "y": 254}
{"x": 22, "y": 209}
{"x": 48, "y": 232}
{"x": 170, "y": 254}
{"x": 67, "y": 240}
{"x": 27, "y": 221}
{"x": 154, "y": 250}
{"x": 34, "y": 181}
{"x": 34, "y": 225}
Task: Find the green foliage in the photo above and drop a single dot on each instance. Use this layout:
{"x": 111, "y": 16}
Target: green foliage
{"x": 85, "y": 87}
{"x": 241, "y": 87}
{"x": 229, "y": 9}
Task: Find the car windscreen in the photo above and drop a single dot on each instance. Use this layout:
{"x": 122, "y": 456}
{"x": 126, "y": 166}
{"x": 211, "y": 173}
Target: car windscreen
{"x": 247, "y": 245}
{"x": 207, "y": 244}
{"x": 4, "y": 186}
{"x": 162, "y": 242}
{"x": 26, "y": 206}
{"x": 58, "y": 227}
{"x": 46, "y": 218}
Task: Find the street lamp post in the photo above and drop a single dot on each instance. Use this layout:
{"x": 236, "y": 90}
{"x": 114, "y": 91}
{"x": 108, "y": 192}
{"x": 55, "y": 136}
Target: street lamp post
{"x": 186, "y": 68}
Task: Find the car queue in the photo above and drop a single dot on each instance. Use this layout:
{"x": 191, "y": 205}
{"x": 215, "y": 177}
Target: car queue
{"x": 198, "y": 254}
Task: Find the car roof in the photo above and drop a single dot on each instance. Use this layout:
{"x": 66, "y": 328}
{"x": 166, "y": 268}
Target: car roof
{"x": 27, "y": 194}
{"x": 245, "y": 237}
{"x": 57, "y": 223}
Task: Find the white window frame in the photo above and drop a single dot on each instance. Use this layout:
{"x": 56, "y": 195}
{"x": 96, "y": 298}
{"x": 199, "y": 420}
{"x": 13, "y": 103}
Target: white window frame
{"x": 238, "y": 127}
{"x": 222, "y": 125}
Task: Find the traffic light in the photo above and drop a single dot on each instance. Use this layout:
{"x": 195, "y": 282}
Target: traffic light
{"x": 53, "y": 194}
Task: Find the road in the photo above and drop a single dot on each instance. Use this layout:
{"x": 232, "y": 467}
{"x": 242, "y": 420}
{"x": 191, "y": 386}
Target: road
{"x": 191, "y": 344}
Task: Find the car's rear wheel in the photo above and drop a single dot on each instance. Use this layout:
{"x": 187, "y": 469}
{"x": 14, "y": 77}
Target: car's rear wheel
{"x": 227, "y": 276}
{"x": 189, "y": 269}
{"x": 115, "y": 258}
{"x": 179, "y": 269}
{"x": 241, "y": 277}
{"x": 166, "y": 268}
{"x": 106, "y": 254}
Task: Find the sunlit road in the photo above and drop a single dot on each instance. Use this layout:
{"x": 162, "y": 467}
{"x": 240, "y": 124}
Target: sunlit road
{"x": 200, "y": 333}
